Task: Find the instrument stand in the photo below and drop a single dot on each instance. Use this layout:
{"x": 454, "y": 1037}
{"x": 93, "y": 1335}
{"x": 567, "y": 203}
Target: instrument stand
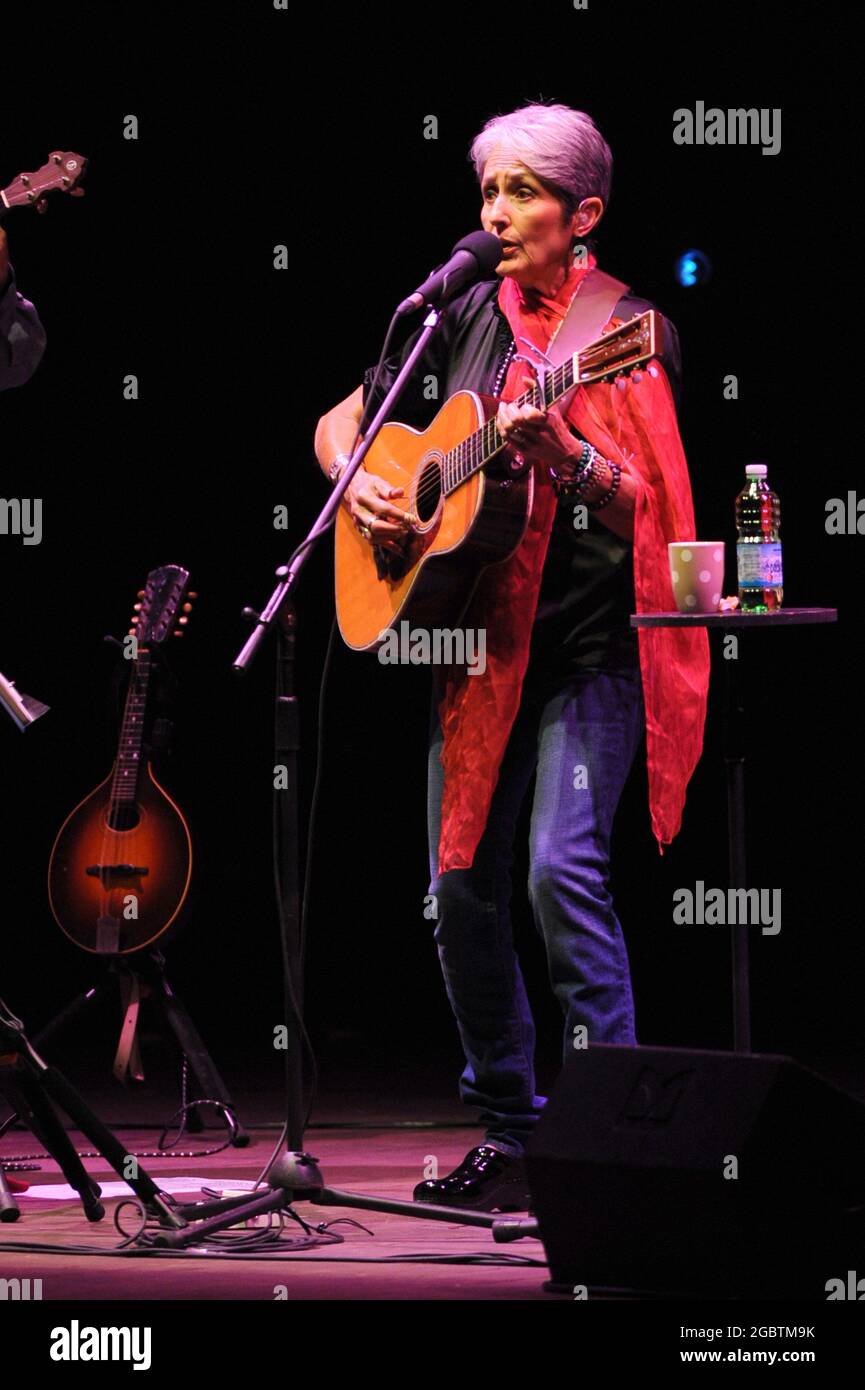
{"x": 37, "y": 1091}
{"x": 150, "y": 968}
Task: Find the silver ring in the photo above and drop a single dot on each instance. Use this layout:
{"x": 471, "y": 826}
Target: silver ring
{"x": 365, "y": 531}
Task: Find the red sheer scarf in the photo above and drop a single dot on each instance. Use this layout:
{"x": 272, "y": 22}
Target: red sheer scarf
{"x": 635, "y": 426}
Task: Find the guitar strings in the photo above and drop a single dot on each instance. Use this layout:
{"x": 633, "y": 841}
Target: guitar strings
{"x": 431, "y": 486}
{"x": 111, "y": 814}
{"x": 429, "y": 489}
{"x": 114, "y": 803}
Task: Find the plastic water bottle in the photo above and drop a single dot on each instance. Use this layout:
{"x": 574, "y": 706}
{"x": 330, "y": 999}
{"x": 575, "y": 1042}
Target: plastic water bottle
{"x": 758, "y": 544}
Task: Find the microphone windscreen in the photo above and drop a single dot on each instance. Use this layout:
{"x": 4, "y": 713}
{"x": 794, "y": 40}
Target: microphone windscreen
{"x": 486, "y": 249}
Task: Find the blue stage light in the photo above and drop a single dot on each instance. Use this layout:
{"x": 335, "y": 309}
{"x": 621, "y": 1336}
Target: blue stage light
{"x": 693, "y": 268}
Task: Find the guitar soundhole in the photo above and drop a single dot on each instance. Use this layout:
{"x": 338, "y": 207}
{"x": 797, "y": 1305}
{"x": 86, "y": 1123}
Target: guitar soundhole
{"x": 429, "y": 488}
{"x": 123, "y": 817}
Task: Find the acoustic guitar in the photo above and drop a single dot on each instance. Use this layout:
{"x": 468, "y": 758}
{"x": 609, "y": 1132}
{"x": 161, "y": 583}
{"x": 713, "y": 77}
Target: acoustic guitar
{"x": 471, "y": 492}
{"x": 60, "y": 173}
{"x": 120, "y": 867}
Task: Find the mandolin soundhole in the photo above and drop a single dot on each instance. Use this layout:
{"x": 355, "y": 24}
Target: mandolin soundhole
{"x": 124, "y": 816}
{"x": 429, "y": 490}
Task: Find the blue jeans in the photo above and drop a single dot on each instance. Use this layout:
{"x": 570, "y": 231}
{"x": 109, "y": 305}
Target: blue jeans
{"x": 594, "y": 723}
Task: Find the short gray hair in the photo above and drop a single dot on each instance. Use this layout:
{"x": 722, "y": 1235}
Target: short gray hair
{"x": 562, "y": 146}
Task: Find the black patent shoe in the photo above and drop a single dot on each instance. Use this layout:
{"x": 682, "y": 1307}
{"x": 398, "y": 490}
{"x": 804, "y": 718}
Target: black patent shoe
{"x": 486, "y": 1180}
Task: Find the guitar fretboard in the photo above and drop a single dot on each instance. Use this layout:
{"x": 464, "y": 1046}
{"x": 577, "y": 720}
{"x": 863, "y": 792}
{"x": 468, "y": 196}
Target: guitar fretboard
{"x": 482, "y": 446}
{"x": 616, "y": 352}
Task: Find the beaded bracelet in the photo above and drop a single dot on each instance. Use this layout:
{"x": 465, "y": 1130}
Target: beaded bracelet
{"x": 581, "y": 481}
{"x": 585, "y": 473}
{"x": 612, "y": 490}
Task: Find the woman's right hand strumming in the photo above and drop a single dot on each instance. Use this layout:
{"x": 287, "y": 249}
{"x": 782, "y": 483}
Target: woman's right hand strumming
{"x": 369, "y": 499}
{"x": 374, "y": 513}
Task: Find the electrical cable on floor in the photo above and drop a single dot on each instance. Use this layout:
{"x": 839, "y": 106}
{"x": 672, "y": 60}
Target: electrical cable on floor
{"x": 206, "y": 1252}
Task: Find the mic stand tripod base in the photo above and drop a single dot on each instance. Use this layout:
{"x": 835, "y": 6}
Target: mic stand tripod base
{"x": 295, "y": 1176}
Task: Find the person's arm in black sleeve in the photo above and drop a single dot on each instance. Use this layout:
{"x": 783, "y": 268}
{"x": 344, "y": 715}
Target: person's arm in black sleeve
{"x": 416, "y": 406}
{"x": 22, "y": 337}
{"x": 423, "y": 394}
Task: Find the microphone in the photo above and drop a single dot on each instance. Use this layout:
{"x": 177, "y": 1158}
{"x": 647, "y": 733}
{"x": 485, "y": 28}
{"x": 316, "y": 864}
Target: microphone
{"x": 473, "y": 258}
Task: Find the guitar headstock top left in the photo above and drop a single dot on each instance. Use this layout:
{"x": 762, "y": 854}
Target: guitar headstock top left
{"x": 61, "y": 172}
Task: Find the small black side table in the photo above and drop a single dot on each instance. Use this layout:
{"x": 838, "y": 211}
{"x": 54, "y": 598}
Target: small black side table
{"x": 734, "y": 760}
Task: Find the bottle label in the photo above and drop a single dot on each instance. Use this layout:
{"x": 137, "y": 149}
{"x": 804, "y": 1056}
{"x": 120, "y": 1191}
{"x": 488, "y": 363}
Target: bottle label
{"x": 759, "y": 566}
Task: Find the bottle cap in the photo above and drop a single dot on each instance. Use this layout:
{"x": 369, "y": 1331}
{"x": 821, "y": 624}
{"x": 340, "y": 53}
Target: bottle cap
{"x": 756, "y": 470}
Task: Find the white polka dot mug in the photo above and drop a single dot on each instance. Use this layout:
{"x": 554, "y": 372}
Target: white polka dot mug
{"x": 697, "y": 572}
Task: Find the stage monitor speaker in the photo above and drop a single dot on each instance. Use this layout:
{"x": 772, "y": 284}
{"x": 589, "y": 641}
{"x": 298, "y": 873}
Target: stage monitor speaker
{"x": 671, "y": 1171}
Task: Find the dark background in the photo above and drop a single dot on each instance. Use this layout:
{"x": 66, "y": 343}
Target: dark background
{"x": 258, "y": 129}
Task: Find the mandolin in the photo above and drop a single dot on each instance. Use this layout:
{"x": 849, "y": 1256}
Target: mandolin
{"x": 471, "y": 493}
{"x": 60, "y": 173}
{"x": 120, "y": 867}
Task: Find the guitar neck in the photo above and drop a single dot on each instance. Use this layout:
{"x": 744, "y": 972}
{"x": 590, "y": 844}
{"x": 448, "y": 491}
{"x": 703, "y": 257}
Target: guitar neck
{"x": 482, "y": 446}
{"x": 124, "y": 785}
{"x": 618, "y": 351}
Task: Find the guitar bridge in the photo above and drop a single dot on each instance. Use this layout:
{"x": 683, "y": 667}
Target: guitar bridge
{"x": 389, "y": 565}
{"x": 108, "y": 871}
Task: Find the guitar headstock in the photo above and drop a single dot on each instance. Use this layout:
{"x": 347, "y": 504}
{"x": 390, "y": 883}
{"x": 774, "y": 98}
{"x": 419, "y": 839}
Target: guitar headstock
{"x": 60, "y": 173}
{"x": 621, "y": 350}
{"x": 163, "y": 606}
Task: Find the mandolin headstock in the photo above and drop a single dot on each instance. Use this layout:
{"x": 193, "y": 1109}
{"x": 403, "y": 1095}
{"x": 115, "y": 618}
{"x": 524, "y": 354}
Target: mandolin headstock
{"x": 163, "y": 606}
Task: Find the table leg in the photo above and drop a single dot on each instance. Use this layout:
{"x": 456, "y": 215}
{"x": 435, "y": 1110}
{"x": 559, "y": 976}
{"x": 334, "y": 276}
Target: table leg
{"x": 734, "y": 762}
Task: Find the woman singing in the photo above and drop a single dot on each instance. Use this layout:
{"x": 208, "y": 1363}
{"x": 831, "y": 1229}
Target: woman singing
{"x": 569, "y": 687}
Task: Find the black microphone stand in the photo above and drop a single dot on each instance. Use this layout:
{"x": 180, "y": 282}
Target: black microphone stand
{"x": 294, "y": 1175}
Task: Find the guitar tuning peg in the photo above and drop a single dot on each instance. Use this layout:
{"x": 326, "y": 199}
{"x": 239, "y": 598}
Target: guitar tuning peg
{"x": 178, "y": 632}
{"x": 637, "y": 375}
{"x": 187, "y": 608}
{"x": 621, "y": 382}
{"x": 141, "y": 593}
{"x": 136, "y": 607}
{"x": 193, "y": 593}
{"x": 183, "y": 620}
